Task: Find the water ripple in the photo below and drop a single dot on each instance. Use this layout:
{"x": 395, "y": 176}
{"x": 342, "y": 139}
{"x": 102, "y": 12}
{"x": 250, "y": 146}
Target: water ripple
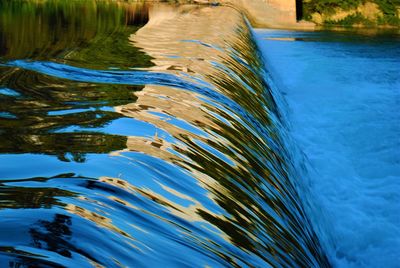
{"x": 143, "y": 143}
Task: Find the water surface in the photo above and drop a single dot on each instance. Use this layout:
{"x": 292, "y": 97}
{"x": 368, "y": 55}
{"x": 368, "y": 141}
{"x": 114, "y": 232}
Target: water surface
{"x": 343, "y": 96}
{"x": 142, "y": 136}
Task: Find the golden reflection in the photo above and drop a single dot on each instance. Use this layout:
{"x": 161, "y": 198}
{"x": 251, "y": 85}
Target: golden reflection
{"x": 172, "y": 36}
{"x": 232, "y": 154}
{"x": 96, "y": 218}
{"x": 189, "y": 213}
{"x": 160, "y": 105}
{"x": 185, "y": 212}
{"x": 177, "y": 103}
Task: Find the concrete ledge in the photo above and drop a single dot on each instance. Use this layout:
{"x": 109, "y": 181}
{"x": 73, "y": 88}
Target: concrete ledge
{"x": 267, "y": 13}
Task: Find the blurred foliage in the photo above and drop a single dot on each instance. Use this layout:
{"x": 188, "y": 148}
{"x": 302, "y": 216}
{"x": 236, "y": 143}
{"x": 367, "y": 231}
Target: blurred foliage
{"x": 353, "y": 19}
{"x": 93, "y": 34}
{"x": 389, "y": 8}
{"x": 329, "y": 6}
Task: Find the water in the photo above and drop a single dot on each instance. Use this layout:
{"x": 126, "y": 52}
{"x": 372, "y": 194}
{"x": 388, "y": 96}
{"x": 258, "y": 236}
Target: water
{"x": 343, "y": 93}
{"x": 137, "y": 135}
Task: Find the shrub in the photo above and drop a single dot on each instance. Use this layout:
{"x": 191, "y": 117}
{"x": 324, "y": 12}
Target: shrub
{"x": 389, "y": 9}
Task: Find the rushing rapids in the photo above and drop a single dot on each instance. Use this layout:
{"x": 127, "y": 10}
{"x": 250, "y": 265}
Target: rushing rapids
{"x": 147, "y": 136}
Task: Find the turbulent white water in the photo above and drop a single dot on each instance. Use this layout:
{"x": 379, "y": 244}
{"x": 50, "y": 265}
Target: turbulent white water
{"x": 343, "y": 93}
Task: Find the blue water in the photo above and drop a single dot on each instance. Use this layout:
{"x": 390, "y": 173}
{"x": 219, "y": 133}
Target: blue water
{"x": 143, "y": 136}
{"x": 342, "y": 91}
{"x": 140, "y": 135}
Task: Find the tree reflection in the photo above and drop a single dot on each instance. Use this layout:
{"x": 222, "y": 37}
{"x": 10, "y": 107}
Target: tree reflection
{"x": 23, "y": 197}
{"x": 52, "y": 235}
{"x": 38, "y": 118}
{"x": 88, "y": 33}
{"x": 55, "y": 236}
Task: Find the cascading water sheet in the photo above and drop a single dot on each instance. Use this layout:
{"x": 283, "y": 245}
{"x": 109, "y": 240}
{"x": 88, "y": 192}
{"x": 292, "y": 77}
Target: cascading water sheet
{"x": 139, "y": 135}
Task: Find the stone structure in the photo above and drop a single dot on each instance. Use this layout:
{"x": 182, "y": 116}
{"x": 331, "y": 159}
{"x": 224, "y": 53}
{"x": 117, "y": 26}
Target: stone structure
{"x": 268, "y": 13}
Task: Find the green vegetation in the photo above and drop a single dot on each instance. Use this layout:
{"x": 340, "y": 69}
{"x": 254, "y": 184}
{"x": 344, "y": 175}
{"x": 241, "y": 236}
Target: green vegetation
{"x": 389, "y": 11}
{"x": 328, "y": 6}
{"x": 353, "y": 19}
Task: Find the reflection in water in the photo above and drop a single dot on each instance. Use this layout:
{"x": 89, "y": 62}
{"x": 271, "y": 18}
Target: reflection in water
{"x": 44, "y": 106}
{"x": 40, "y": 105}
{"x": 182, "y": 163}
{"x": 85, "y": 33}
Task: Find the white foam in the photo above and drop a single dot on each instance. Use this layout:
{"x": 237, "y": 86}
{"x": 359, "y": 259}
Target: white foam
{"x": 344, "y": 101}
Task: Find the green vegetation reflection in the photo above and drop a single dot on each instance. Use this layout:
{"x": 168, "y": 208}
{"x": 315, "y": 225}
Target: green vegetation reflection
{"x": 38, "y": 111}
{"x": 92, "y": 34}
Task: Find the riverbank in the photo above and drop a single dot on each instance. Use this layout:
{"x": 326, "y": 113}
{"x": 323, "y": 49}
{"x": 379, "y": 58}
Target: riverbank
{"x": 314, "y": 15}
{"x": 370, "y": 13}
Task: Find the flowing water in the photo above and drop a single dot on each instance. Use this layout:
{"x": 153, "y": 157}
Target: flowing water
{"x": 143, "y": 136}
{"x": 148, "y": 135}
{"x": 343, "y": 95}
